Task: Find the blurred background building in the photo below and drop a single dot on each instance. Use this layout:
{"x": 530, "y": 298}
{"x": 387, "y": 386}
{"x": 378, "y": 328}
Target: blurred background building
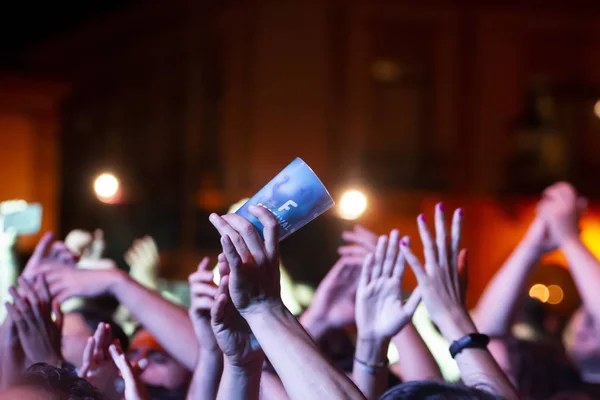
{"x": 193, "y": 105}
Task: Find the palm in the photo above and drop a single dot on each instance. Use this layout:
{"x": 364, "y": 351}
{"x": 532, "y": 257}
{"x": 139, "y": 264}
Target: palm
{"x": 379, "y": 312}
{"x": 203, "y": 330}
{"x": 234, "y": 338}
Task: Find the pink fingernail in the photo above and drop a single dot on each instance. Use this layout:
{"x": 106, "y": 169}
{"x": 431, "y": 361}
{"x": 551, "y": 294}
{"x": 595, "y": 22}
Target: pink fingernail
{"x": 460, "y": 212}
{"x": 422, "y": 217}
{"x": 441, "y": 206}
{"x": 402, "y": 243}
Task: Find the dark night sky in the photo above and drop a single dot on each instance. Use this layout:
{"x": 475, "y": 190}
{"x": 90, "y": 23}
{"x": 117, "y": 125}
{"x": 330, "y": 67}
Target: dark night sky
{"x": 24, "y": 24}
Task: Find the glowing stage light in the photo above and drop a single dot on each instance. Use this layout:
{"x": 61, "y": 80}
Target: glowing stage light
{"x": 106, "y": 187}
{"x": 352, "y": 204}
{"x": 555, "y": 294}
{"x": 540, "y": 292}
{"x": 597, "y": 109}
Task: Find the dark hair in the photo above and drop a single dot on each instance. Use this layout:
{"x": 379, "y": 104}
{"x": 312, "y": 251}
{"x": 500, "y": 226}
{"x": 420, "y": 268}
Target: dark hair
{"x": 540, "y": 369}
{"x": 58, "y": 383}
{"x": 433, "y": 390}
{"x": 93, "y": 317}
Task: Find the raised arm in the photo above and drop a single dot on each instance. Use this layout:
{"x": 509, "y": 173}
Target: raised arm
{"x": 442, "y": 288}
{"x": 207, "y": 375}
{"x": 255, "y": 292}
{"x": 180, "y": 342}
{"x": 380, "y": 314}
{"x": 560, "y": 208}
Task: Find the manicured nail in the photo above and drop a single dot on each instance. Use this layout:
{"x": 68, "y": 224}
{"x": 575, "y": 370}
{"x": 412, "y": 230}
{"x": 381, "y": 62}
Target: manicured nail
{"x": 441, "y": 206}
{"x": 212, "y": 216}
{"x": 460, "y": 212}
{"x": 402, "y": 243}
{"x": 422, "y": 217}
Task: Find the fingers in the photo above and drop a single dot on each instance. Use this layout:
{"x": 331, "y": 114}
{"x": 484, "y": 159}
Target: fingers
{"x": 379, "y": 257}
{"x": 428, "y": 246}
{"x": 15, "y": 316}
{"x": 31, "y": 296}
{"x": 203, "y": 290}
{"x": 270, "y": 232}
{"x": 204, "y": 265}
{"x": 236, "y": 239}
{"x": 400, "y": 263}
{"x": 88, "y": 358}
{"x": 249, "y": 235}
{"x": 41, "y": 248}
{"x": 413, "y": 302}
{"x": 123, "y": 365}
{"x": 99, "y": 339}
{"x": 217, "y": 312}
{"x": 414, "y": 263}
{"x": 365, "y": 274}
{"x": 362, "y": 237}
{"x": 23, "y": 308}
{"x": 441, "y": 236}
{"x": 354, "y": 250}
{"x": 233, "y": 258}
{"x": 463, "y": 273}
{"x": 392, "y": 253}
{"x": 43, "y": 290}
{"x": 456, "y": 238}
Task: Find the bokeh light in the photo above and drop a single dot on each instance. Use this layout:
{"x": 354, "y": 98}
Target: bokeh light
{"x": 540, "y": 292}
{"x": 106, "y": 187}
{"x": 597, "y": 109}
{"x": 352, "y": 204}
{"x": 555, "y": 294}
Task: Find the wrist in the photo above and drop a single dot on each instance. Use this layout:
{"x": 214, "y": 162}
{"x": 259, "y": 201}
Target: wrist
{"x": 117, "y": 281}
{"x": 260, "y": 309}
{"x": 570, "y": 241}
{"x": 315, "y": 324}
{"x": 456, "y": 324}
{"x": 372, "y": 350}
{"x": 252, "y": 366}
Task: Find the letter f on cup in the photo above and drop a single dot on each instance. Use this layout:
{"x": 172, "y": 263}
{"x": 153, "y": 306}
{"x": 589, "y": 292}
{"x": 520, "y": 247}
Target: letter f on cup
{"x": 287, "y": 205}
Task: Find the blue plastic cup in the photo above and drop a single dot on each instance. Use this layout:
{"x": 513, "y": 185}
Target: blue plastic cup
{"x": 295, "y": 196}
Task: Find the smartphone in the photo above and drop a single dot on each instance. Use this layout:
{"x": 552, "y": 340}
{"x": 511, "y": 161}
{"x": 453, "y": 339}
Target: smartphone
{"x": 20, "y": 217}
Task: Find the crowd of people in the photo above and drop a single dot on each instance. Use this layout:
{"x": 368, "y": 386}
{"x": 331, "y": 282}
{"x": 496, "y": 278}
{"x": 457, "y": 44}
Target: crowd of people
{"x": 238, "y": 340}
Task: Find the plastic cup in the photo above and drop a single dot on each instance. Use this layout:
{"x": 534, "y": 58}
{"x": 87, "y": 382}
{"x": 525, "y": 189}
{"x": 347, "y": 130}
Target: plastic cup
{"x": 295, "y": 196}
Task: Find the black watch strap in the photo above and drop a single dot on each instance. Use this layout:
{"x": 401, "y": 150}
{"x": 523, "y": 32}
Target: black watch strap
{"x": 472, "y": 341}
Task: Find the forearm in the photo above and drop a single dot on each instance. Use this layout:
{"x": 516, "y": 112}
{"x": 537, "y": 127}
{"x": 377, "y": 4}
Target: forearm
{"x": 313, "y": 324}
{"x": 271, "y": 387}
{"x": 207, "y": 376}
{"x": 585, "y": 269}
{"x": 415, "y": 359}
{"x": 304, "y": 372}
{"x": 370, "y": 372}
{"x": 478, "y": 368}
{"x": 167, "y": 322}
{"x": 241, "y": 383}
{"x": 496, "y": 307}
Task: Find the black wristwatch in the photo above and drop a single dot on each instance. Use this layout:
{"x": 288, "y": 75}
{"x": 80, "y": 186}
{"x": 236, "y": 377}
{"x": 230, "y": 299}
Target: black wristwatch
{"x": 472, "y": 341}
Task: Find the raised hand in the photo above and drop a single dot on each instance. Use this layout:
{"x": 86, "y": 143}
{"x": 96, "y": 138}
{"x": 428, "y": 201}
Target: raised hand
{"x": 359, "y": 242}
{"x": 380, "y": 314}
{"x": 144, "y": 261}
{"x": 203, "y": 291}
{"x": 31, "y": 312}
{"x": 254, "y": 276}
{"x": 66, "y": 283}
{"x": 560, "y": 208}
{"x": 98, "y": 367}
{"x": 47, "y": 254}
{"x": 440, "y": 283}
{"x": 231, "y": 330}
{"x": 134, "y": 388}
{"x": 334, "y": 302}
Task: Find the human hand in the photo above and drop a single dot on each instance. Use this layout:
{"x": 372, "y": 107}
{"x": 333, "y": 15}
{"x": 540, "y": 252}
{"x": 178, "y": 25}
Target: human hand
{"x": 380, "y": 314}
{"x": 254, "y": 265}
{"x": 441, "y": 285}
{"x": 47, "y": 254}
{"x": 144, "y": 261}
{"x": 202, "y": 292}
{"x": 560, "y": 208}
{"x": 31, "y": 312}
{"x": 134, "y": 388}
{"x": 334, "y": 302}
{"x": 98, "y": 367}
{"x": 65, "y": 282}
{"x": 359, "y": 242}
{"x": 231, "y": 331}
